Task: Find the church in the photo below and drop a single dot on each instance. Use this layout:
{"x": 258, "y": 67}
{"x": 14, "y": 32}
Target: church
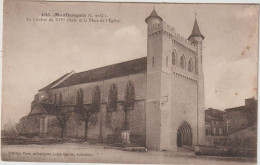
{"x": 158, "y": 99}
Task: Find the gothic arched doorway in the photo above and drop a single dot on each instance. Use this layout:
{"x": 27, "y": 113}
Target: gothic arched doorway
{"x": 184, "y": 135}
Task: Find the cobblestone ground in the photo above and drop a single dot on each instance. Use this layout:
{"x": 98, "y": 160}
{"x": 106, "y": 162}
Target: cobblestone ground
{"x": 69, "y": 152}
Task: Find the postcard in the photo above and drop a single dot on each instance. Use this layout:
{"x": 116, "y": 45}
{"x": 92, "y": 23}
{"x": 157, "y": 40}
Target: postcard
{"x": 129, "y": 83}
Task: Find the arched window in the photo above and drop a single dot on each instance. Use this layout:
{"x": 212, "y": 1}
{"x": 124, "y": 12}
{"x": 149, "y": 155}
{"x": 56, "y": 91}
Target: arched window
{"x": 174, "y": 58}
{"x": 130, "y": 94}
{"x": 96, "y": 98}
{"x": 167, "y": 61}
{"x": 153, "y": 62}
{"x": 60, "y": 100}
{"x": 190, "y": 65}
{"x": 80, "y": 97}
{"x": 182, "y": 62}
{"x": 112, "y": 97}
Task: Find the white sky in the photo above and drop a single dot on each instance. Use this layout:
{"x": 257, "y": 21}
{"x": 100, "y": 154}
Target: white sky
{"x": 37, "y": 53}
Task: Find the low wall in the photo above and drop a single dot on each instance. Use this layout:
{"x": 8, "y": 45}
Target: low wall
{"x": 226, "y": 151}
{"x": 246, "y": 138}
{"x": 242, "y": 143}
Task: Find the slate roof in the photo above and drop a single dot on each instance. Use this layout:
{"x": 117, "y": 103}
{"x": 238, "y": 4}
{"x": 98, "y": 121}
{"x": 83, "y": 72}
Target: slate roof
{"x": 153, "y": 14}
{"x": 103, "y": 73}
{"x": 196, "y": 31}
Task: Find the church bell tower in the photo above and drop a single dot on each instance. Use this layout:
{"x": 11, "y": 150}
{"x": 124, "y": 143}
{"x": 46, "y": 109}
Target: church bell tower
{"x": 175, "y": 87}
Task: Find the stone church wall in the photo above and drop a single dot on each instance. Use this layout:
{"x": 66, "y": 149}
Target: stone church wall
{"x": 53, "y": 126}
{"x": 75, "y": 127}
{"x": 30, "y": 125}
{"x": 106, "y": 122}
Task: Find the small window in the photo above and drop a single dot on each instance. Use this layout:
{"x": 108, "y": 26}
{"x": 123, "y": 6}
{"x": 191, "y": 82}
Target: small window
{"x": 174, "y": 58}
{"x": 190, "y": 66}
{"x": 182, "y": 62}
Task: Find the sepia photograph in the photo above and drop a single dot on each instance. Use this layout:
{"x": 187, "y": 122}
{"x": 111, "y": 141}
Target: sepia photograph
{"x": 129, "y": 83}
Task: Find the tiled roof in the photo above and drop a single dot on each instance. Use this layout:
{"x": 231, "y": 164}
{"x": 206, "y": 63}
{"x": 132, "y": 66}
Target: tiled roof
{"x": 107, "y": 72}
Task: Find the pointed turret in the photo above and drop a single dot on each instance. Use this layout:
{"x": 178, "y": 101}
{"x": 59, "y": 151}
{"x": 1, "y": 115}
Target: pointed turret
{"x": 153, "y": 15}
{"x": 196, "y": 31}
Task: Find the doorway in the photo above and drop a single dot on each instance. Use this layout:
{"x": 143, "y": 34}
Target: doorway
{"x": 184, "y": 135}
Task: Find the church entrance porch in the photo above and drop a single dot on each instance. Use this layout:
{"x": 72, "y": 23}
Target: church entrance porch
{"x": 184, "y": 136}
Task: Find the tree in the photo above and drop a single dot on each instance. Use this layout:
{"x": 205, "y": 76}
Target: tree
{"x": 126, "y": 125}
{"x": 9, "y": 130}
{"x": 62, "y": 116}
{"x": 85, "y": 113}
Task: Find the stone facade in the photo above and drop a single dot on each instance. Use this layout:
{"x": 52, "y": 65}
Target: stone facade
{"x": 168, "y": 105}
{"x": 232, "y": 119}
{"x": 40, "y": 125}
{"x": 108, "y": 122}
{"x": 40, "y": 121}
{"x": 239, "y": 125}
{"x": 245, "y": 138}
{"x": 215, "y": 124}
{"x": 175, "y": 86}
{"x": 239, "y": 118}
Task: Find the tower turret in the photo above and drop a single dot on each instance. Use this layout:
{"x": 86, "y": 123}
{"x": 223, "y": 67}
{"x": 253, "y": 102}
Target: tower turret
{"x": 153, "y": 18}
{"x": 197, "y": 38}
{"x": 195, "y": 34}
